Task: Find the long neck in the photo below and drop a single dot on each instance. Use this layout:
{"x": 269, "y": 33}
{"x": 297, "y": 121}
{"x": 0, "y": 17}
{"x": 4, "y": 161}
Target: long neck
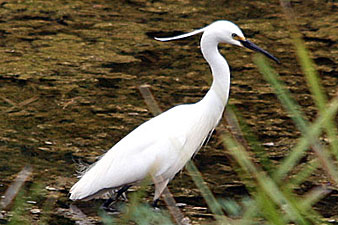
{"x": 219, "y": 90}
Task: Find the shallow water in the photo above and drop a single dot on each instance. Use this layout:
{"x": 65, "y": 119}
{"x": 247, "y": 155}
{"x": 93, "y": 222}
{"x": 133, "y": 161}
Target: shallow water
{"x": 70, "y": 71}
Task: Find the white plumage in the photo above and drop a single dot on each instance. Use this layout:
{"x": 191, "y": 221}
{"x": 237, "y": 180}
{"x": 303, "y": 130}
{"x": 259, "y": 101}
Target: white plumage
{"x": 162, "y": 146}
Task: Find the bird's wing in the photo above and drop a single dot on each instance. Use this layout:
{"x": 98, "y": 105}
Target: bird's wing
{"x": 150, "y": 148}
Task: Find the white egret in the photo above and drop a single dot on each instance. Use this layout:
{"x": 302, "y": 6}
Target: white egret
{"x": 162, "y": 146}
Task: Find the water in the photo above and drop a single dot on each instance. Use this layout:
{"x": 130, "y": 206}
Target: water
{"x": 70, "y": 71}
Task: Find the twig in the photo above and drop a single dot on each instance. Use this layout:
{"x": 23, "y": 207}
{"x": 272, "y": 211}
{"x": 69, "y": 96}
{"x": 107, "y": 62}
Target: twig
{"x": 15, "y": 187}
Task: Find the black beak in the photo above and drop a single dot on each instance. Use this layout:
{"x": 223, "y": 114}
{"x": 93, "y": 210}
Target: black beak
{"x": 252, "y": 46}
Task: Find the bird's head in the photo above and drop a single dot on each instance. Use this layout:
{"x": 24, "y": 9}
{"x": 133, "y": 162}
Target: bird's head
{"x": 223, "y": 31}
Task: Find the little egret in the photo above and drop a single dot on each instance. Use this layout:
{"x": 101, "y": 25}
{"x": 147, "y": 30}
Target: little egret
{"x": 162, "y": 146}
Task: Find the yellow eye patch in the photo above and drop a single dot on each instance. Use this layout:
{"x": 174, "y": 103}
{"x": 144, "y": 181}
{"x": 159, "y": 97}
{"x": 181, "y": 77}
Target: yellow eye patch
{"x": 238, "y": 38}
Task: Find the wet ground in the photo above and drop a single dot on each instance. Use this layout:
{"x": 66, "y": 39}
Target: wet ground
{"x": 70, "y": 72}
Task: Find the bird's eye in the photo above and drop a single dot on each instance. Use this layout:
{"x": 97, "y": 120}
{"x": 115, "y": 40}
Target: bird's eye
{"x": 237, "y": 38}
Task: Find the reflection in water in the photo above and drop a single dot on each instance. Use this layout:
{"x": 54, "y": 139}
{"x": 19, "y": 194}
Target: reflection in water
{"x": 78, "y": 215}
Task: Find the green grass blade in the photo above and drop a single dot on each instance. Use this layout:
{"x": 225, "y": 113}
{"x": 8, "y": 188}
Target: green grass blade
{"x": 303, "y": 144}
{"x": 313, "y": 197}
{"x": 210, "y": 199}
{"x": 237, "y": 125}
{"x": 269, "y": 209}
{"x": 311, "y": 75}
{"x": 304, "y": 173}
{"x": 317, "y": 90}
{"x": 251, "y": 212}
{"x": 282, "y": 93}
{"x": 293, "y": 108}
{"x": 264, "y": 182}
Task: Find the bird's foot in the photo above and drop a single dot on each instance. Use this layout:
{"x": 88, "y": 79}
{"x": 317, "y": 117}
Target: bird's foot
{"x": 108, "y": 202}
{"x": 155, "y": 204}
{"x": 109, "y": 207}
{"x": 156, "y": 209}
{"x": 106, "y": 206}
{"x": 111, "y": 210}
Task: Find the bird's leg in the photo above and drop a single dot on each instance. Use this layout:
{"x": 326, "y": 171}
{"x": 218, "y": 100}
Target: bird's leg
{"x": 122, "y": 190}
{"x": 160, "y": 185}
{"x": 155, "y": 203}
{"x": 106, "y": 204}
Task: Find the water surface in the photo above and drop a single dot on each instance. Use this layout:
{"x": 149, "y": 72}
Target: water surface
{"x": 70, "y": 71}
